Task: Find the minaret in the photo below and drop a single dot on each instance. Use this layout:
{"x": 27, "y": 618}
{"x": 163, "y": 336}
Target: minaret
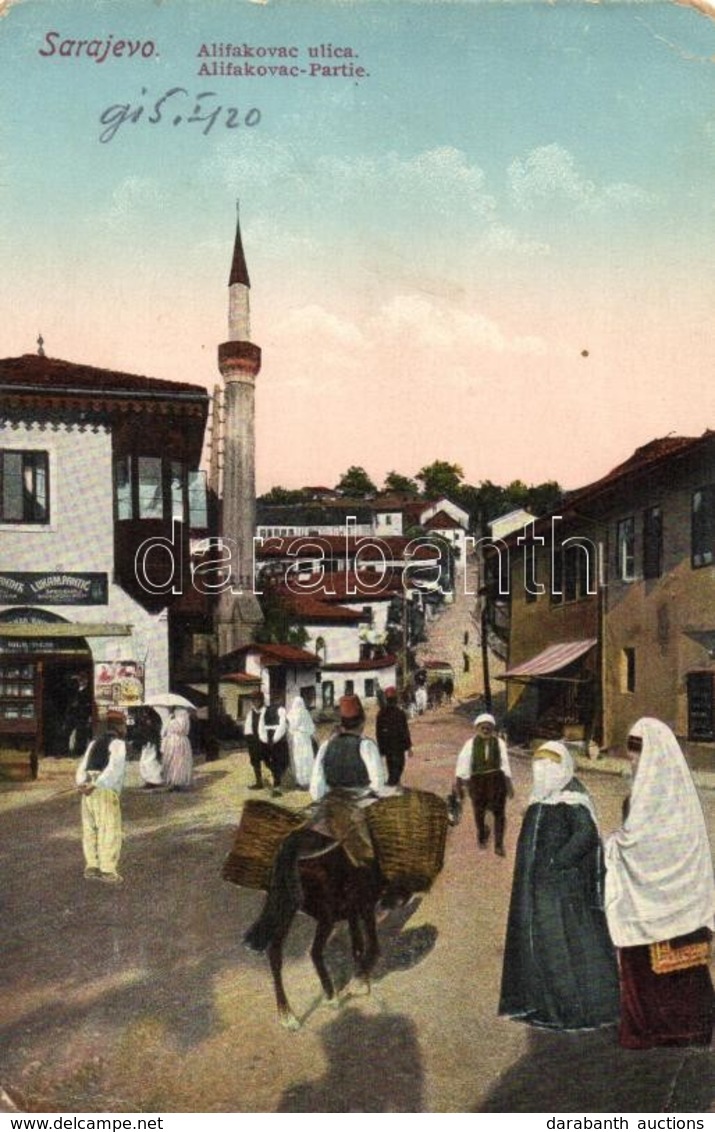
{"x": 239, "y": 361}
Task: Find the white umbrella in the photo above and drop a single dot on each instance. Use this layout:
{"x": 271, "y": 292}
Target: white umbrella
{"x": 169, "y": 700}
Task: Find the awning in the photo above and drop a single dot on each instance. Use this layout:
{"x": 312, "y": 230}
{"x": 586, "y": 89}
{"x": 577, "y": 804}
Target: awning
{"x": 59, "y": 629}
{"x": 550, "y": 661}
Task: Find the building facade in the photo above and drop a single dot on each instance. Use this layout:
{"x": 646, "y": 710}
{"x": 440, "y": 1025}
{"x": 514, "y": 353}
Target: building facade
{"x": 612, "y": 601}
{"x": 99, "y": 493}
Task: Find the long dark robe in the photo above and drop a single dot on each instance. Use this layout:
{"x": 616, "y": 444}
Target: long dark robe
{"x": 560, "y": 967}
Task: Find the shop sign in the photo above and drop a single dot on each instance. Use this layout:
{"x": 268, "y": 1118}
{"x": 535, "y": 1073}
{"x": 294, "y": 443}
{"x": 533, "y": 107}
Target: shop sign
{"x": 118, "y": 683}
{"x": 32, "y": 644}
{"x": 53, "y": 588}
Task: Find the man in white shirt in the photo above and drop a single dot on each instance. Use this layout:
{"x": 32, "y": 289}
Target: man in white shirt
{"x": 273, "y": 735}
{"x": 483, "y": 769}
{"x": 99, "y": 779}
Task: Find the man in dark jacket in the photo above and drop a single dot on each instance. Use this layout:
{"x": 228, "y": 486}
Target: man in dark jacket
{"x": 393, "y": 736}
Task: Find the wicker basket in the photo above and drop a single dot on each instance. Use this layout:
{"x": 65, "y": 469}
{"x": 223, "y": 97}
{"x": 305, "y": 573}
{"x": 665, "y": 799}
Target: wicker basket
{"x": 410, "y": 832}
{"x": 261, "y": 830}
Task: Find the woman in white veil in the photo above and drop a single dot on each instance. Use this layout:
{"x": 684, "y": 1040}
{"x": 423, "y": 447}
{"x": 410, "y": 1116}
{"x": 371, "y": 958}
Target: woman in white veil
{"x": 660, "y": 899}
{"x": 301, "y": 730}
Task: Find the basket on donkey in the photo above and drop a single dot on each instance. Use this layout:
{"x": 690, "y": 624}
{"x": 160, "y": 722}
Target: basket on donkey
{"x": 262, "y": 828}
{"x": 409, "y": 831}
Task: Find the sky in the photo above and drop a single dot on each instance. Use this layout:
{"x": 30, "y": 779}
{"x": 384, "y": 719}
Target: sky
{"x": 493, "y": 247}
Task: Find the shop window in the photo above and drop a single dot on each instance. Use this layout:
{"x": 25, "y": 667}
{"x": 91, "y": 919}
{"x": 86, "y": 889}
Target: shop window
{"x": 626, "y": 549}
{"x": 652, "y": 542}
{"x": 628, "y": 670}
{"x": 349, "y": 688}
{"x": 328, "y": 693}
{"x": 369, "y": 689}
{"x": 24, "y": 487}
{"x": 703, "y": 526}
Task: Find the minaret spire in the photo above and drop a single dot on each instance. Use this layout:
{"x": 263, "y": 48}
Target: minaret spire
{"x": 239, "y": 362}
{"x": 239, "y": 271}
{"x": 239, "y": 286}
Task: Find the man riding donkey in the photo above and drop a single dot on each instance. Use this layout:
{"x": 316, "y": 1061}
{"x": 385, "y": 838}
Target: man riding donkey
{"x": 347, "y": 777}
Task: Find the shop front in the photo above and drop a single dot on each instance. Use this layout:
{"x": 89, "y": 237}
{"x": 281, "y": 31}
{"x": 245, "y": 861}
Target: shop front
{"x": 53, "y": 686}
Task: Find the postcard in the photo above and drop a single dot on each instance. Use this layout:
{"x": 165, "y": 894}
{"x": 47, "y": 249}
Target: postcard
{"x": 418, "y": 254}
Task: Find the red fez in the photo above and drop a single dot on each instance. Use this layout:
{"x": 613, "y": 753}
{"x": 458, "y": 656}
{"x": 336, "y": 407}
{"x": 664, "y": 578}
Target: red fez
{"x": 391, "y": 693}
{"x": 350, "y": 707}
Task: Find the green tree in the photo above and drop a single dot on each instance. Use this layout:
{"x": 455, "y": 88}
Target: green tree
{"x": 283, "y": 495}
{"x": 356, "y": 482}
{"x": 278, "y": 626}
{"x": 396, "y": 482}
{"x": 441, "y": 478}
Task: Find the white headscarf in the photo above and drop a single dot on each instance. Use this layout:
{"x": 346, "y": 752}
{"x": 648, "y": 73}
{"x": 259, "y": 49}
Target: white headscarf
{"x": 659, "y": 879}
{"x": 299, "y": 718}
{"x": 485, "y": 717}
{"x": 552, "y": 776}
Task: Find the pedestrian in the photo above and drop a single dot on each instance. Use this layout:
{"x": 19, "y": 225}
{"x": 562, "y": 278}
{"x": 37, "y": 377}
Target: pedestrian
{"x": 99, "y": 779}
{"x": 660, "y": 899}
{"x": 421, "y": 701}
{"x": 347, "y": 775}
{"x": 257, "y": 752}
{"x": 393, "y": 736}
{"x": 483, "y": 770}
{"x": 176, "y": 755}
{"x": 559, "y": 964}
{"x": 273, "y": 734}
{"x": 301, "y": 732}
{"x": 448, "y": 688}
{"x": 146, "y": 736}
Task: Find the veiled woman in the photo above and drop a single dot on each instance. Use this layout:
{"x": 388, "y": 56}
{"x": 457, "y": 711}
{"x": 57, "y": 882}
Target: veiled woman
{"x": 660, "y": 899}
{"x": 559, "y": 964}
{"x": 301, "y": 730}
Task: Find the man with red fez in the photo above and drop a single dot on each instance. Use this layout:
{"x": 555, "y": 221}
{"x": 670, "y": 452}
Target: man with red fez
{"x": 347, "y": 776}
{"x": 99, "y": 779}
{"x": 483, "y": 769}
{"x": 393, "y": 736}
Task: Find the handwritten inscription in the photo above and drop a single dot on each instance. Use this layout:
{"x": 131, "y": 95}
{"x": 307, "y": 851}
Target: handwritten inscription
{"x": 176, "y": 107}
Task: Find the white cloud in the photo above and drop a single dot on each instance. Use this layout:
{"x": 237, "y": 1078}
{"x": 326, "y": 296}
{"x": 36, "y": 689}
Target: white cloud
{"x": 549, "y": 173}
{"x": 431, "y": 325}
{"x": 130, "y": 195}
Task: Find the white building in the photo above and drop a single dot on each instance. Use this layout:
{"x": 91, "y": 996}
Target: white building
{"x": 92, "y": 464}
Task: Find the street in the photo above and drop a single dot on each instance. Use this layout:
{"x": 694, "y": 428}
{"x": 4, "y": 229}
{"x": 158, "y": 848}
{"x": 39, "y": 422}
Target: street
{"x": 141, "y": 998}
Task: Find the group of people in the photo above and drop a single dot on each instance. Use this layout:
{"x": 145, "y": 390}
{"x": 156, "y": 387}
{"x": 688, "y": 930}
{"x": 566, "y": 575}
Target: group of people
{"x": 280, "y": 740}
{"x": 617, "y": 935}
{"x": 165, "y": 753}
{"x": 595, "y": 935}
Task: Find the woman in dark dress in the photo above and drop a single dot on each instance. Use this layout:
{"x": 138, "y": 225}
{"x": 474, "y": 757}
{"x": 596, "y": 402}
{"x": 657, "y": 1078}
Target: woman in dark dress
{"x": 559, "y": 964}
{"x": 660, "y": 899}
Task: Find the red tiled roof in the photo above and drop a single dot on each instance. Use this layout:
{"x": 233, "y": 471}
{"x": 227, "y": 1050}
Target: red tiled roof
{"x": 649, "y": 456}
{"x": 442, "y": 522}
{"x": 333, "y": 587}
{"x": 282, "y": 654}
{"x": 239, "y": 678}
{"x": 37, "y": 374}
{"x": 305, "y": 607}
